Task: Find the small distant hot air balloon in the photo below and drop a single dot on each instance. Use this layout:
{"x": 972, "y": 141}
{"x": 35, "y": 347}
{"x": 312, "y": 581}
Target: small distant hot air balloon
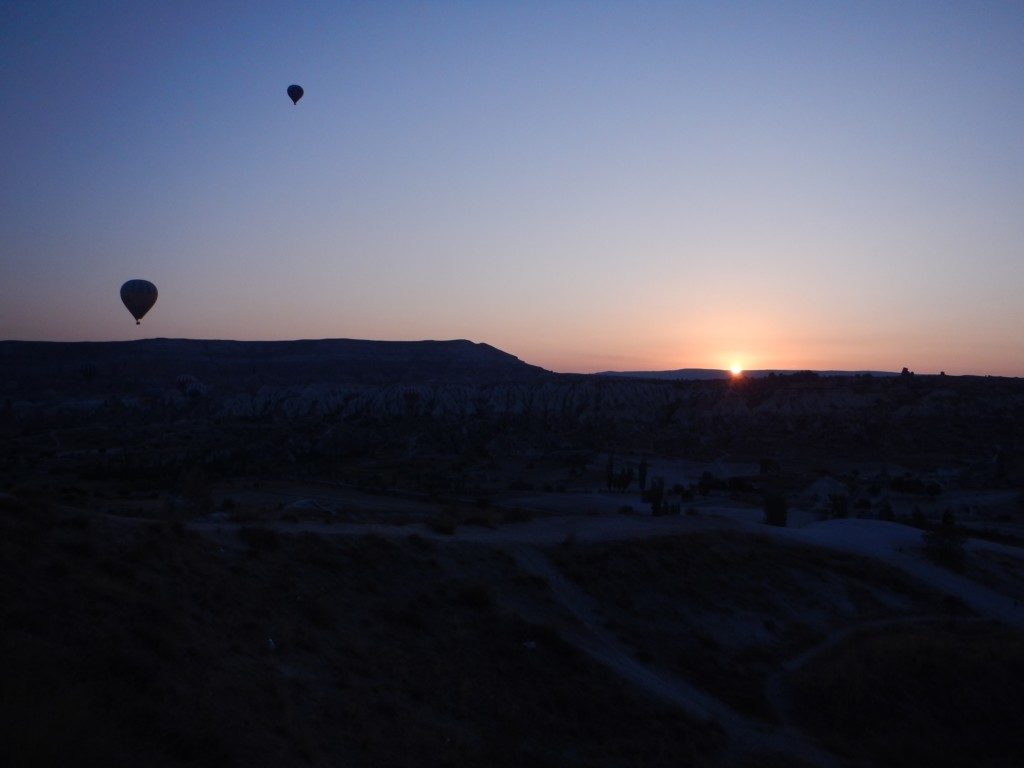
{"x": 295, "y": 93}
{"x": 139, "y": 296}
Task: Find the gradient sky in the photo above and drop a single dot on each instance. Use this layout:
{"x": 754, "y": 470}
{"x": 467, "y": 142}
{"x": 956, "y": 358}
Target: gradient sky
{"x": 588, "y": 186}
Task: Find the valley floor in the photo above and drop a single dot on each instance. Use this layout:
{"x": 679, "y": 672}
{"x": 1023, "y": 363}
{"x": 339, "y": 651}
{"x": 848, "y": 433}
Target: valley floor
{"x": 706, "y": 638}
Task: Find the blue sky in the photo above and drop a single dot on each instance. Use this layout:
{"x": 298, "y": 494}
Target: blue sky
{"x": 586, "y": 185}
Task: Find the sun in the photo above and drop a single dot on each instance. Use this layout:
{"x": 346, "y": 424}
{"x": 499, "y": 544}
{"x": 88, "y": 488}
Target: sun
{"x": 736, "y": 369}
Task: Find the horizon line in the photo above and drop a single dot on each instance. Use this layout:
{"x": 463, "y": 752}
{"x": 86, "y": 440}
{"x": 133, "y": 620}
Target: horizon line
{"x": 632, "y": 372}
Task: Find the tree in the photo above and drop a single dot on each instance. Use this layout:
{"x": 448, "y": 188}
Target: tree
{"x": 624, "y": 478}
{"x": 705, "y": 483}
{"x": 610, "y": 471}
{"x": 641, "y": 473}
{"x": 656, "y": 496}
{"x": 838, "y": 505}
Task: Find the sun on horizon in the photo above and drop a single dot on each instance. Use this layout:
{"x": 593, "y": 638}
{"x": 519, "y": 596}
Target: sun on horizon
{"x": 736, "y": 369}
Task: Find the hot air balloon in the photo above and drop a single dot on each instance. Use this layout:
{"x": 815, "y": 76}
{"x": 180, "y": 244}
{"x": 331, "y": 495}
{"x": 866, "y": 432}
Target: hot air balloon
{"x": 139, "y": 296}
{"x": 295, "y": 93}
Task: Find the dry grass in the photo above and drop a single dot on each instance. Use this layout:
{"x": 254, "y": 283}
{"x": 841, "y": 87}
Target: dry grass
{"x": 129, "y": 644}
{"x": 920, "y": 696}
{"x": 723, "y": 610}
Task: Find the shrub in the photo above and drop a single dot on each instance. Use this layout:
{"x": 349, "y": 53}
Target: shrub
{"x": 259, "y": 538}
{"x": 683, "y": 492}
{"x": 706, "y": 483}
{"x": 838, "y": 505}
{"x": 885, "y": 511}
{"x": 776, "y": 510}
{"x": 196, "y": 490}
{"x": 944, "y": 545}
{"x": 444, "y": 522}
{"x": 655, "y": 496}
{"x": 515, "y": 515}
{"x": 475, "y": 595}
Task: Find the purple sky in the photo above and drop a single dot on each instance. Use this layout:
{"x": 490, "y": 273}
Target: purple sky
{"x": 586, "y": 185}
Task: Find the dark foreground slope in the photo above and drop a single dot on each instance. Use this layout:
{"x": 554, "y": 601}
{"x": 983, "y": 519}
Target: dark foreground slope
{"x": 147, "y": 644}
{"x": 120, "y": 364}
{"x": 170, "y": 643}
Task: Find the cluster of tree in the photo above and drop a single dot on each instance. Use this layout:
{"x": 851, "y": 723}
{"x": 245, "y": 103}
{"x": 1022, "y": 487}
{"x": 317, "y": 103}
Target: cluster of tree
{"x": 657, "y": 498}
{"x": 707, "y": 482}
{"x": 910, "y": 484}
{"x": 621, "y": 480}
{"x": 838, "y": 505}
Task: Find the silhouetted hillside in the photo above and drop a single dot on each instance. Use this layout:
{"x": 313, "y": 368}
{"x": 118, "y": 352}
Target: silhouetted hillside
{"x": 64, "y": 365}
{"x": 441, "y": 392}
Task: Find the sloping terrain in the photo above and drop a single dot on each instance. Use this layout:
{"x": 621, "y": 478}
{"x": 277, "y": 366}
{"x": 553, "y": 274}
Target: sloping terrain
{"x": 336, "y": 552}
{"x": 148, "y": 644}
{"x": 122, "y": 366}
{"x": 935, "y": 695}
{"x": 687, "y": 642}
{"x": 412, "y": 393}
{"x": 725, "y": 609}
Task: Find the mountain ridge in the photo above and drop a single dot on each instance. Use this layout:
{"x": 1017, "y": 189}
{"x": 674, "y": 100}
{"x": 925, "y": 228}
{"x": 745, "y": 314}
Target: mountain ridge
{"x": 48, "y": 363}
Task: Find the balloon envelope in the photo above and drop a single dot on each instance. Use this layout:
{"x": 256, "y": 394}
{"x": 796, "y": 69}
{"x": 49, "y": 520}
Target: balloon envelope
{"x": 295, "y": 93}
{"x": 139, "y": 296}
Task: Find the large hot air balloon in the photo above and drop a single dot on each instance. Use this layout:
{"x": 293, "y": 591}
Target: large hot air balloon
{"x": 139, "y": 296}
{"x": 295, "y": 93}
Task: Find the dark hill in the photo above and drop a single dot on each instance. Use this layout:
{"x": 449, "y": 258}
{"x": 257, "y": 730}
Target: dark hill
{"x": 61, "y": 365}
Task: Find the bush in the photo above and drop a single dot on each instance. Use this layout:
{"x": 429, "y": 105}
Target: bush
{"x": 259, "y": 538}
{"x": 885, "y": 511}
{"x": 445, "y": 522}
{"x": 683, "y": 492}
{"x": 475, "y": 595}
{"x": 776, "y": 510}
{"x": 945, "y": 544}
{"x": 706, "y": 483}
{"x": 838, "y": 506}
{"x": 655, "y": 496}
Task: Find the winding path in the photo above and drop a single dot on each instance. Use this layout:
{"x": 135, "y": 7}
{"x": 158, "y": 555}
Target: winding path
{"x": 744, "y": 735}
{"x": 891, "y": 543}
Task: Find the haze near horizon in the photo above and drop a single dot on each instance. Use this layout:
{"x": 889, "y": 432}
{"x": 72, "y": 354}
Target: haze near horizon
{"x": 588, "y": 186}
